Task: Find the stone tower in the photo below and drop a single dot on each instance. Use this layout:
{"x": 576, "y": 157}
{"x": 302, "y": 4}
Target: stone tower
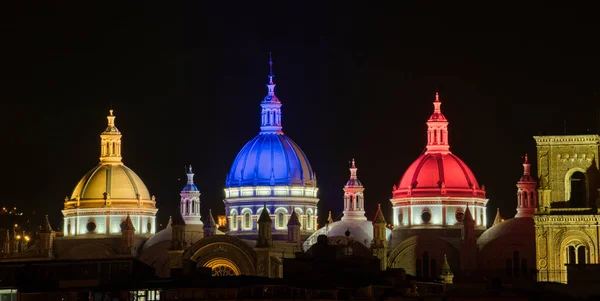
{"x": 380, "y": 243}
{"x": 177, "y": 242}
{"x": 210, "y": 228}
{"x": 46, "y": 238}
{"x": 566, "y": 220}
{"x": 127, "y": 232}
{"x": 527, "y": 192}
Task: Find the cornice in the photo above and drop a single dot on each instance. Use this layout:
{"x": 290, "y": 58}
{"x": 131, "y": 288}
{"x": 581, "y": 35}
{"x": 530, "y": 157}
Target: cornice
{"x": 567, "y": 140}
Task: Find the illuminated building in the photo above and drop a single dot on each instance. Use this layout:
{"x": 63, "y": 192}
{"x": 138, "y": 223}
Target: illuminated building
{"x": 270, "y": 169}
{"x": 108, "y": 193}
{"x": 566, "y": 220}
{"x": 435, "y": 198}
{"x": 353, "y": 220}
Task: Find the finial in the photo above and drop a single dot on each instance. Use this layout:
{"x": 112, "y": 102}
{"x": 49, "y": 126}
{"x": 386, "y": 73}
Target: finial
{"x": 526, "y": 159}
{"x": 190, "y": 169}
{"x": 353, "y": 163}
{"x": 437, "y": 96}
{"x": 110, "y": 112}
{"x": 270, "y": 65}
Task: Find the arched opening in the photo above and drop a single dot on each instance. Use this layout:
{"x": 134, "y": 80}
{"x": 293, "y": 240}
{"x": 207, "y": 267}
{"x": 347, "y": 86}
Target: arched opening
{"x": 571, "y": 257}
{"x": 578, "y": 190}
{"x": 581, "y": 255}
{"x": 234, "y": 225}
{"x": 309, "y": 220}
{"x": 222, "y": 267}
{"x": 508, "y": 267}
{"x": 400, "y": 216}
{"x": 280, "y": 220}
{"x": 247, "y": 220}
{"x": 516, "y": 261}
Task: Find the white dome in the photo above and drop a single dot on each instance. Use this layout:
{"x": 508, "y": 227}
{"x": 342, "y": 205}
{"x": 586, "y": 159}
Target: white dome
{"x": 360, "y": 231}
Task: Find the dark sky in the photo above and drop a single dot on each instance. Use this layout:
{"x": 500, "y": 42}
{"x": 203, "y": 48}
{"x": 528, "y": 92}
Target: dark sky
{"x": 186, "y": 81}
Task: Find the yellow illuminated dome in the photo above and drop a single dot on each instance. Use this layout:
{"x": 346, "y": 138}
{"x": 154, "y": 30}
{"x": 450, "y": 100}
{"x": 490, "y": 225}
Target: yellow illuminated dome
{"x": 108, "y": 193}
{"x": 115, "y": 183}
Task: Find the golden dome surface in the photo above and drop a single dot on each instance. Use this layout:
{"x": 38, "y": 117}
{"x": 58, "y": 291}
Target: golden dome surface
{"x": 110, "y": 183}
{"x": 116, "y": 183}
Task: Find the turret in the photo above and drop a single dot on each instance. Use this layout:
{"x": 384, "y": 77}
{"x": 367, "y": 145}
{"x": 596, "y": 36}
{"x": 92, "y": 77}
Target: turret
{"x": 264, "y": 229}
{"x": 210, "y": 227}
{"x": 468, "y": 247}
{"x": 329, "y": 218}
{"x": 526, "y": 191}
{"x": 127, "y": 234}
{"x": 178, "y": 228}
{"x": 380, "y": 243}
{"x": 110, "y": 145}
{"x": 190, "y": 201}
{"x": 354, "y": 201}
{"x": 293, "y": 226}
{"x": 447, "y": 275}
{"x": 177, "y": 242}
{"x": 498, "y": 218}
{"x": 46, "y": 238}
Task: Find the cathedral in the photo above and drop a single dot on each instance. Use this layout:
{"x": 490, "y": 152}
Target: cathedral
{"x": 439, "y": 227}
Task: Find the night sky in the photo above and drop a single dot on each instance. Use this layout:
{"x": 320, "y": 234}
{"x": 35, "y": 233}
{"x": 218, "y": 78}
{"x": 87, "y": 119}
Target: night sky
{"x": 186, "y": 82}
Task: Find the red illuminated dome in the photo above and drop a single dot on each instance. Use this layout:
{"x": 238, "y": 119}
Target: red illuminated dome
{"x": 438, "y": 172}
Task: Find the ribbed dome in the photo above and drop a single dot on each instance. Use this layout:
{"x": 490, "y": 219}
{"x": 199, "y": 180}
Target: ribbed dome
{"x": 514, "y": 229}
{"x": 436, "y": 174}
{"x": 117, "y": 180}
{"x": 271, "y": 159}
{"x": 360, "y": 231}
{"x": 190, "y": 188}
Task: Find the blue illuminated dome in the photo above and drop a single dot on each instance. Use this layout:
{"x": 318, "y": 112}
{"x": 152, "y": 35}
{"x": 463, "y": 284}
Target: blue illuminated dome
{"x": 271, "y": 159}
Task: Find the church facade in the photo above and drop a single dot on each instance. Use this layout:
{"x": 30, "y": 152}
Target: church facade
{"x": 439, "y": 227}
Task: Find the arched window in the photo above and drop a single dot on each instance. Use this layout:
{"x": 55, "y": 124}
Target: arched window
{"x": 581, "y": 255}
{"x": 247, "y": 220}
{"x": 516, "y": 267}
{"x": 400, "y": 216}
{"x": 578, "y": 189}
{"x": 234, "y": 225}
{"x": 571, "y": 256}
{"x": 309, "y": 220}
{"x": 426, "y": 264}
{"x": 280, "y": 220}
{"x": 509, "y": 266}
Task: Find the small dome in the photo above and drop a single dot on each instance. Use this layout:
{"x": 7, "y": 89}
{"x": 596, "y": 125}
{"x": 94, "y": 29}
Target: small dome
{"x": 190, "y": 188}
{"x": 513, "y": 229}
{"x": 271, "y": 159}
{"x": 433, "y": 173}
{"x": 353, "y": 183}
{"x": 117, "y": 180}
{"x": 360, "y": 231}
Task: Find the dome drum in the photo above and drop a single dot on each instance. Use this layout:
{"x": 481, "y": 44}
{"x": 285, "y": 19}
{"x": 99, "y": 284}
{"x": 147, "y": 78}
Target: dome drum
{"x": 94, "y": 222}
{"x": 425, "y": 215}
{"x": 270, "y": 191}
{"x": 242, "y": 217}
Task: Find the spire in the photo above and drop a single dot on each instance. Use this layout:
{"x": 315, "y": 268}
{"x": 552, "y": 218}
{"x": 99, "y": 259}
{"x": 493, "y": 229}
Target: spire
{"x": 468, "y": 216}
{"x": 271, "y": 107}
{"x": 498, "y": 218}
{"x": 293, "y": 221}
{"x": 190, "y": 175}
{"x": 110, "y": 142}
{"x": 379, "y": 218}
{"x": 264, "y": 215}
{"x": 353, "y": 170}
{"x": 170, "y": 222}
{"x": 329, "y": 218}
{"x": 437, "y": 129}
{"x": 210, "y": 221}
{"x": 526, "y": 191}
{"x": 46, "y": 228}
{"x": 177, "y": 220}
{"x": 447, "y": 275}
{"x": 127, "y": 224}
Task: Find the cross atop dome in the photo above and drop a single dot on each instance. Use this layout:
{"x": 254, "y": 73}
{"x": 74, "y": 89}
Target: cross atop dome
{"x": 437, "y": 129}
{"x": 271, "y": 107}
